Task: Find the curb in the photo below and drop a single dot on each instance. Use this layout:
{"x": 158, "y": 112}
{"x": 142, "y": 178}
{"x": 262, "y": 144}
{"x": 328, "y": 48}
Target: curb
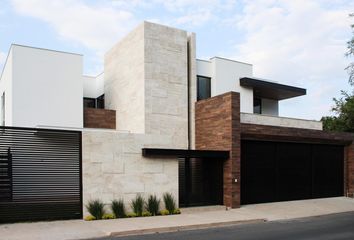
{"x": 183, "y": 228}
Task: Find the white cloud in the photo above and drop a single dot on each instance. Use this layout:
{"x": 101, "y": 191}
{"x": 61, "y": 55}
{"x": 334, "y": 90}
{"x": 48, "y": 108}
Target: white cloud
{"x": 195, "y": 18}
{"x": 95, "y": 26}
{"x": 296, "y": 42}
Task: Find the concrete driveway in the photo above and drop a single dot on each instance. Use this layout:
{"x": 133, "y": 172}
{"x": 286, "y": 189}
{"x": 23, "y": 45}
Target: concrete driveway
{"x": 78, "y": 229}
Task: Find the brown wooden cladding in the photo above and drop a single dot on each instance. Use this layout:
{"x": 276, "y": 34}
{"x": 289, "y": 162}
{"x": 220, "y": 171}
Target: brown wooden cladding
{"x": 218, "y": 127}
{"x": 99, "y": 118}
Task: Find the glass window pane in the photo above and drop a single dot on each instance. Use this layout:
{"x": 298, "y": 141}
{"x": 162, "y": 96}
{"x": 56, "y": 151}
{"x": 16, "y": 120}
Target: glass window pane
{"x": 203, "y": 88}
{"x": 257, "y": 106}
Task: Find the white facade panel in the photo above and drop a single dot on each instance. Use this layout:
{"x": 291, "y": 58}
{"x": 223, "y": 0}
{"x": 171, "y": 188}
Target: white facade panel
{"x": 225, "y": 75}
{"x": 47, "y": 88}
{"x": 93, "y": 86}
{"x": 6, "y": 87}
{"x": 204, "y": 68}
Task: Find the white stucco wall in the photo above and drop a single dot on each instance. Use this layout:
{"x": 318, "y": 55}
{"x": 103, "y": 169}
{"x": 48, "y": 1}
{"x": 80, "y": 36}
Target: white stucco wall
{"x": 6, "y": 86}
{"x": 225, "y": 75}
{"x": 270, "y": 107}
{"x": 93, "y": 86}
{"x": 47, "y": 88}
{"x": 113, "y": 167}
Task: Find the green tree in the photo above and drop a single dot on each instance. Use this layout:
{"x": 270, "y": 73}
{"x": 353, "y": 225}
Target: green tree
{"x": 343, "y": 121}
{"x": 350, "y": 53}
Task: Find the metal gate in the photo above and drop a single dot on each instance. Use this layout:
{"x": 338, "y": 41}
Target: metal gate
{"x": 200, "y": 182}
{"x": 40, "y": 174}
{"x": 280, "y": 171}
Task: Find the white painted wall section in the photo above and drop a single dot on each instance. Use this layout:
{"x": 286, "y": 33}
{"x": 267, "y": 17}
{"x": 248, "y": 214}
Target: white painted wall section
{"x": 225, "y": 75}
{"x": 47, "y": 88}
{"x": 6, "y": 87}
{"x": 93, "y": 86}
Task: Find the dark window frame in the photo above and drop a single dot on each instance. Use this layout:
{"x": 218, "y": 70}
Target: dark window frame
{"x": 209, "y": 93}
{"x": 97, "y": 102}
{"x": 260, "y": 105}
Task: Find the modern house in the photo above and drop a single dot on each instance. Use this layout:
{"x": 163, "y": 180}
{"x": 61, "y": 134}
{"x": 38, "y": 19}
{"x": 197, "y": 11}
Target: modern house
{"x": 160, "y": 120}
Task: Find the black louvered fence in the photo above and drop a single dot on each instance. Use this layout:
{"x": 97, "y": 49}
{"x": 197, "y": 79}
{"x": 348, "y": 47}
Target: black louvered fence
{"x": 40, "y": 174}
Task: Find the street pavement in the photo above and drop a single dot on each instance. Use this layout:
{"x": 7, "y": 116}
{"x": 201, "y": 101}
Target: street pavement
{"x": 335, "y": 226}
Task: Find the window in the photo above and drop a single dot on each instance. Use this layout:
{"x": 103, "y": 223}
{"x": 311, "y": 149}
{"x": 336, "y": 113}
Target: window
{"x": 203, "y": 88}
{"x": 257, "y": 105}
{"x": 94, "y": 102}
{"x": 3, "y": 109}
{"x": 100, "y": 102}
{"x": 89, "y": 102}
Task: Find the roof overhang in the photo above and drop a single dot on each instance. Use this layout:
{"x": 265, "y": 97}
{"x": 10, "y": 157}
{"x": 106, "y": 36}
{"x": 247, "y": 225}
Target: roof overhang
{"x": 271, "y": 90}
{"x": 182, "y": 153}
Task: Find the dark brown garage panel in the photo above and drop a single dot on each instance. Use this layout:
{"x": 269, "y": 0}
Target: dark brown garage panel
{"x": 279, "y": 171}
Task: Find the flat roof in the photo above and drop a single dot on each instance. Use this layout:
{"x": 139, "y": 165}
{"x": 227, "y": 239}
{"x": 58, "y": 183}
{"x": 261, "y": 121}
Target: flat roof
{"x": 271, "y": 90}
{"x": 184, "y": 153}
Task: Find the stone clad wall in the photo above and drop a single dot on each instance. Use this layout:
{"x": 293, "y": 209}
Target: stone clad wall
{"x": 113, "y": 167}
{"x": 166, "y": 93}
{"x": 124, "y": 81}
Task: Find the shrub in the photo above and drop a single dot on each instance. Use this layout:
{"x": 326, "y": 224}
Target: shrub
{"x": 177, "y": 211}
{"x": 170, "y": 203}
{"x": 137, "y": 205}
{"x": 146, "y": 214}
{"x": 153, "y": 205}
{"x": 89, "y": 218}
{"x": 108, "y": 216}
{"x": 130, "y": 215}
{"x": 118, "y": 208}
{"x": 164, "y": 212}
{"x": 95, "y": 208}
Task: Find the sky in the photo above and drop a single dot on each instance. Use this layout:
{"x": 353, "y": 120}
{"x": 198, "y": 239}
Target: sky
{"x": 301, "y": 43}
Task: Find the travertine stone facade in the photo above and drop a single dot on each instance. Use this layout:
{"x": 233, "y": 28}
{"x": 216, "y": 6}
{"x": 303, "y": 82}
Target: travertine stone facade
{"x": 262, "y": 119}
{"x": 125, "y": 80}
{"x": 113, "y": 166}
{"x": 146, "y": 82}
{"x": 166, "y": 99}
{"x": 192, "y": 66}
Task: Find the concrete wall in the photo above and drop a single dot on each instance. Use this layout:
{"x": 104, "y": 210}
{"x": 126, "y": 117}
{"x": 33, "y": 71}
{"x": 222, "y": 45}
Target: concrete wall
{"x": 280, "y": 121}
{"x": 124, "y": 81}
{"x": 46, "y": 87}
{"x": 6, "y": 87}
{"x": 113, "y": 166}
{"x": 270, "y": 107}
{"x": 225, "y": 75}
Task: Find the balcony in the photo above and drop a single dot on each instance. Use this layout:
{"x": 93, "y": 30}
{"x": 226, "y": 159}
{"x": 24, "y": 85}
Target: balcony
{"x": 280, "y": 121}
{"x": 99, "y": 118}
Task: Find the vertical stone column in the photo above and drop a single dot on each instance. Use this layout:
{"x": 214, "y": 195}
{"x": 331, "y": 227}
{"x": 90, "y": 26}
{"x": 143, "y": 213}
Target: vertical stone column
{"x": 217, "y": 126}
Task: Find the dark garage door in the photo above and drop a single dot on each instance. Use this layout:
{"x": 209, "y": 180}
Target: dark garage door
{"x": 279, "y": 171}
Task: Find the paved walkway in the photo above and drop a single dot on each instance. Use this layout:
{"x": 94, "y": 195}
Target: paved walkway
{"x": 78, "y": 229}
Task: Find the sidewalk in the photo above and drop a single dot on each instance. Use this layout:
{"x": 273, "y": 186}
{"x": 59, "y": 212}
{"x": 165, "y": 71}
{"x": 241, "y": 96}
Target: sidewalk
{"x": 78, "y": 229}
